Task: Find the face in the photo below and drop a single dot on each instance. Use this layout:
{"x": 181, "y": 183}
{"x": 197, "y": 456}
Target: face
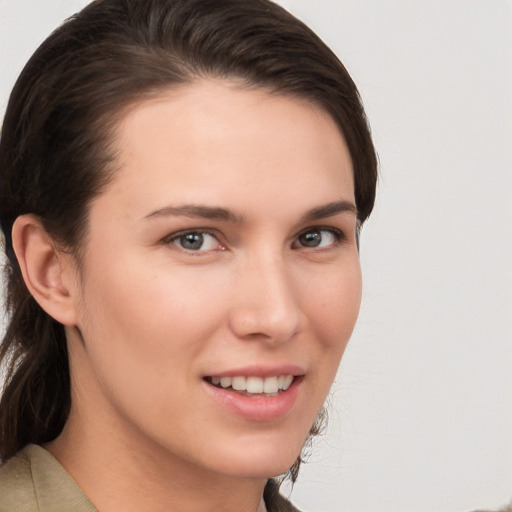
{"x": 220, "y": 279}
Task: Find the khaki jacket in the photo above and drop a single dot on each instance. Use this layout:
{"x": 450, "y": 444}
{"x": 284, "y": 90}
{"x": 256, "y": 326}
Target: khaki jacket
{"x": 33, "y": 481}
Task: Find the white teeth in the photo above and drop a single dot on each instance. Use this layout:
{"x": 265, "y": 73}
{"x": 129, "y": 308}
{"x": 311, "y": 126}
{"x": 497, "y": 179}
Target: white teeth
{"x": 225, "y": 382}
{"x": 287, "y": 382}
{"x": 255, "y": 385}
{"x": 270, "y": 385}
{"x": 239, "y": 383}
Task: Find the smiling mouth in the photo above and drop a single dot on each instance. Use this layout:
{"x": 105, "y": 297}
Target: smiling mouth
{"x": 253, "y": 386}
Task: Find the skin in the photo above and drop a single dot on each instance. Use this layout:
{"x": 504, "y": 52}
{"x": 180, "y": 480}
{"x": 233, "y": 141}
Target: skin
{"x": 147, "y": 319}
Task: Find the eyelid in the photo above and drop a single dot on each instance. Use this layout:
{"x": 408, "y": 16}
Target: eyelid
{"x": 169, "y": 239}
{"x": 338, "y": 234}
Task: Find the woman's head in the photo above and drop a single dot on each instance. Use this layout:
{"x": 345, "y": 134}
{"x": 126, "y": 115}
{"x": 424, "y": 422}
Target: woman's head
{"x": 69, "y": 140}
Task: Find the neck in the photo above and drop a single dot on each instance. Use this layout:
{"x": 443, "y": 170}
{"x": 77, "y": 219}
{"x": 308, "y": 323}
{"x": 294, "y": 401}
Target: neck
{"x": 115, "y": 476}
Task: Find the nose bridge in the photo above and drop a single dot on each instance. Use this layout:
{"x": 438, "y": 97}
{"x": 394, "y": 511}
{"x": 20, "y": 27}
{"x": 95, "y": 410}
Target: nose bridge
{"x": 267, "y": 304}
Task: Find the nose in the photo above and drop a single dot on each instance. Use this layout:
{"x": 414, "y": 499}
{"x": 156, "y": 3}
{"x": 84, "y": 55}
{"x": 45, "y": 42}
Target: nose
{"x": 266, "y": 303}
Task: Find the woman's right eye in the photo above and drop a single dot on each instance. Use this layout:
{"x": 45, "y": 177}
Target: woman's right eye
{"x": 195, "y": 241}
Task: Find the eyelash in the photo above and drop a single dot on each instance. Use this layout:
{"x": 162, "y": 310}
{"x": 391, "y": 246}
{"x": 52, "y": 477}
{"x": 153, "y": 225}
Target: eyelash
{"x": 171, "y": 239}
{"x": 338, "y": 236}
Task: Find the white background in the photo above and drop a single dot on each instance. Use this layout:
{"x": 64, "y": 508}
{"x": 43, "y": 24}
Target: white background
{"x": 421, "y": 413}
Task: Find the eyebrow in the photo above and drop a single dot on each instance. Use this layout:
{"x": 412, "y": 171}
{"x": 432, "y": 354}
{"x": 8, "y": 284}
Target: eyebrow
{"x": 223, "y": 214}
{"x": 204, "y": 212}
{"x": 329, "y": 210}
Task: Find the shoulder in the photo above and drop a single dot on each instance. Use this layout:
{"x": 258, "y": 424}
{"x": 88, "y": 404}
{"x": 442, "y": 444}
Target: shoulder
{"x": 34, "y": 481}
{"x": 17, "y": 485}
{"x": 274, "y": 501}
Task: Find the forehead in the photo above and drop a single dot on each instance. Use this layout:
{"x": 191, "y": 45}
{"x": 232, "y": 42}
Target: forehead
{"x": 212, "y": 140}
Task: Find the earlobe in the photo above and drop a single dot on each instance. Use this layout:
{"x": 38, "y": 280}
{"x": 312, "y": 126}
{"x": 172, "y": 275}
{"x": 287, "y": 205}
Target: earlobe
{"x": 47, "y": 272}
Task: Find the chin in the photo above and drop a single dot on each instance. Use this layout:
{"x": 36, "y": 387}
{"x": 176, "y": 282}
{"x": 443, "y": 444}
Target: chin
{"x": 256, "y": 470}
{"x": 260, "y": 459}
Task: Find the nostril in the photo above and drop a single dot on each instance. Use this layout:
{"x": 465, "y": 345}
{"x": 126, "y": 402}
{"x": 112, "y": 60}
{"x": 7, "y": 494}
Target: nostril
{"x": 257, "y": 324}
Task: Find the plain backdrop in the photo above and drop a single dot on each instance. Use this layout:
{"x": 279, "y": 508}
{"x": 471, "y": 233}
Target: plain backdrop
{"x": 421, "y": 412}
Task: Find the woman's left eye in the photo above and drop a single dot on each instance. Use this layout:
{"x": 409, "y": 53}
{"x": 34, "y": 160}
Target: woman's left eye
{"x": 318, "y": 238}
{"x": 197, "y": 241}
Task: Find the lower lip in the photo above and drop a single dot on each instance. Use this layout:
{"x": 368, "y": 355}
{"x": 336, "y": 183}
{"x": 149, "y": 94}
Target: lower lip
{"x": 257, "y": 408}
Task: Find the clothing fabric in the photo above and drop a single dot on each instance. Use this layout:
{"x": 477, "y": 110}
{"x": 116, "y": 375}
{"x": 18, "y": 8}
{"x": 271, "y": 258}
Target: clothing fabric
{"x": 34, "y": 481}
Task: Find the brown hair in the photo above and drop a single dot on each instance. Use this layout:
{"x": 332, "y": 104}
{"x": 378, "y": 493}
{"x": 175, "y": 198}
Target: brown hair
{"x": 55, "y": 155}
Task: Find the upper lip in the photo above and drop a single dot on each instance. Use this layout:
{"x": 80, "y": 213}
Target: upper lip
{"x": 258, "y": 370}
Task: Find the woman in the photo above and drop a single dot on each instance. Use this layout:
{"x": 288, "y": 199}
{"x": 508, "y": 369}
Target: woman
{"x": 182, "y": 188}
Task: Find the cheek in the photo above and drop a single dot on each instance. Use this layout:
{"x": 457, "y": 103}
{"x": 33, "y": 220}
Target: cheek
{"x": 333, "y": 311}
{"x": 331, "y": 308}
{"x": 152, "y": 318}
{"x": 142, "y": 338}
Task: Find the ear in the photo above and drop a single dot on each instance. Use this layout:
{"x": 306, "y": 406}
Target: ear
{"x": 48, "y": 273}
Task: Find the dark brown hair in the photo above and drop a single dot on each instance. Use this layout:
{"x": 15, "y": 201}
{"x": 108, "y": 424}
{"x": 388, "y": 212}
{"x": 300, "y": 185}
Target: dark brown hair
{"x": 55, "y": 154}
